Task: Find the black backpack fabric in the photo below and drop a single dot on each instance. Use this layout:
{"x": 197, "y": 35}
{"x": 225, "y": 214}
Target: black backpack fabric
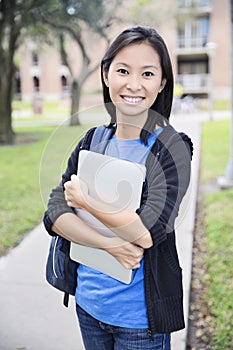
{"x": 61, "y": 271}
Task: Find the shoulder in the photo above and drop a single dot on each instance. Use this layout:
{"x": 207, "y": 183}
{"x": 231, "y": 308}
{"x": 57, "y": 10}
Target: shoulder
{"x": 94, "y": 135}
{"x": 170, "y": 137}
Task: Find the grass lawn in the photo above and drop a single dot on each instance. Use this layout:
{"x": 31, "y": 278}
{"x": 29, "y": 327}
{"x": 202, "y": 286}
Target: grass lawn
{"x": 23, "y": 111}
{"x": 28, "y": 172}
{"x": 218, "y": 230}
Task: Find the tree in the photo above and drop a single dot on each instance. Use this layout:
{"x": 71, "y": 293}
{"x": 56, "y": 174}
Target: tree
{"x": 23, "y": 17}
{"x": 152, "y": 13}
{"x": 9, "y": 33}
{"x": 80, "y": 21}
{"x": 15, "y": 17}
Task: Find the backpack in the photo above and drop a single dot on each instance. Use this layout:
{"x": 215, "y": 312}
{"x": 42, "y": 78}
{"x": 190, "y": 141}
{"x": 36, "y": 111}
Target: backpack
{"x": 61, "y": 270}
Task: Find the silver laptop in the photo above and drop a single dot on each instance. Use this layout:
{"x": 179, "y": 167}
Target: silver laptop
{"x": 114, "y": 181}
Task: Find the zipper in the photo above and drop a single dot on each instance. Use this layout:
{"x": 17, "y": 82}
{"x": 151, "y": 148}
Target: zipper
{"x": 54, "y": 252}
{"x": 150, "y": 335}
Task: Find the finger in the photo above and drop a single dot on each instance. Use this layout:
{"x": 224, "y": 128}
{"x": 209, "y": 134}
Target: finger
{"x": 73, "y": 177}
{"x": 67, "y": 197}
{"x": 67, "y": 184}
{"x": 136, "y": 266}
{"x": 140, "y": 253}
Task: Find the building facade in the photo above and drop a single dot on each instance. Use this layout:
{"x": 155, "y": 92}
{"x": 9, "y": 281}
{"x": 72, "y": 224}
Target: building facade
{"x": 203, "y": 48}
{"x": 199, "y": 41}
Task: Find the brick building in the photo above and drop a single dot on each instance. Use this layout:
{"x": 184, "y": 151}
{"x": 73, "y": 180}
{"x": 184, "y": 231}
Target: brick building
{"x": 199, "y": 45}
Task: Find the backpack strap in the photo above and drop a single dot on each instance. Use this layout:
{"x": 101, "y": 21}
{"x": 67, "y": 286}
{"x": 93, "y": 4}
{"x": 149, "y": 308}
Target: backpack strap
{"x": 66, "y": 299}
{"x": 100, "y": 138}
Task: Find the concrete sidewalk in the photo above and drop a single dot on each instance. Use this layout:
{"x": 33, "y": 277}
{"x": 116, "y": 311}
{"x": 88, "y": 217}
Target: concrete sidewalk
{"x": 186, "y": 221}
{"x": 32, "y": 314}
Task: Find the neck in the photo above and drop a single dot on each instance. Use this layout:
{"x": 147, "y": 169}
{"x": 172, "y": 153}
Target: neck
{"x": 129, "y": 127}
{"x": 127, "y": 132}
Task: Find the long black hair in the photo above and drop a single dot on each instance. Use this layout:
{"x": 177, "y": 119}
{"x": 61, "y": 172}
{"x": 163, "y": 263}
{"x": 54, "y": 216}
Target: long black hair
{"x": 159, "y": 112}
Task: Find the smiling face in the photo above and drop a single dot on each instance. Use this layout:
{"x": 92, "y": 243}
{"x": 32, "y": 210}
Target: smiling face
{"x": 134, "y": 79}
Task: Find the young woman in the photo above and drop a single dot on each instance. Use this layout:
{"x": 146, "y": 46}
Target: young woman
{"x": 137, "y": 84}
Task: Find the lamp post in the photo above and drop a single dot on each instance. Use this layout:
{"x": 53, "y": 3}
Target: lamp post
{"x": 211, "y": 49}
{"x": 226, "y": 181}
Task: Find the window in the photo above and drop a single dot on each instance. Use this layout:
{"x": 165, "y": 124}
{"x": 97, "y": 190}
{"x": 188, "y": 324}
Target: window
{"x": 194, "y": 33}
{"x": 64, "y": 83}
{"x": 194, "y": 3}
{"x": 199, "y": 66}
{"x": 35, "y": 59}
{"x": 17, "y": 83}
{"x": 36, "y": 84}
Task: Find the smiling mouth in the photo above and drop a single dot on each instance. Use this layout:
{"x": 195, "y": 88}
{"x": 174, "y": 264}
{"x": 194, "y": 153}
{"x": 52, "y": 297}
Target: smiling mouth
{"x": 132, "y": 100}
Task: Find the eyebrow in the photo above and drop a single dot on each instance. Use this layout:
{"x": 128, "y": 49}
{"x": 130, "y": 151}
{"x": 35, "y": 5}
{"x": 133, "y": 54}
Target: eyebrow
{"x": 144, "y": 67}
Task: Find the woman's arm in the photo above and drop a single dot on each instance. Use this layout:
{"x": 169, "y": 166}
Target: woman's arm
{"x": 69, "y": 226}
{"x": 125, "y": 223}
{"x": 60, "y": 219}
{"x": 168, "y": 178}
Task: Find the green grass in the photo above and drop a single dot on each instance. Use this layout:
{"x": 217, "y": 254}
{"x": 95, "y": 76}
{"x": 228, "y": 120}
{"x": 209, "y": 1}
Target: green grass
{"x": 23, "y": 111}
{"x": 50, "y": 106}
{"x": 28, "y": 172}
{"x": 221, "y": 105}
{"x": 218, "y": 228}
{"x": 59, "y": 111}
{"x": 215, "y": 146}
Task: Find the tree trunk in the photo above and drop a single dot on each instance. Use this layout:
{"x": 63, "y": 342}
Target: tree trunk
{"x": 75, "y": 102}
{"x": 8, "y": 37}
{"x": 7, "y": 76}
{"x": 6, "y": 132}
{"x": 76, "y": 90}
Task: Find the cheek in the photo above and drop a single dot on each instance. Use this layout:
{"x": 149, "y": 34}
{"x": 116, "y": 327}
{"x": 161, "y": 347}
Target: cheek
{"x": 114, "y": 86}
{"x": 153, "y": 90}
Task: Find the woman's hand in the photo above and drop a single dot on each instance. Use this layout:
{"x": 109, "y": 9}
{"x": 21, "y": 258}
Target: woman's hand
{"x": 75, "y": 192}
{"x": 128, "y": 254}
{"x": 125, "y": 224}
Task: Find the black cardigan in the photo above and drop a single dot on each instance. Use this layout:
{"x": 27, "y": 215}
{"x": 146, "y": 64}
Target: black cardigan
{"x": 167, "y": 179}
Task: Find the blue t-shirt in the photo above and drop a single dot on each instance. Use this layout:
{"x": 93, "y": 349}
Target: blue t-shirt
{"x": 105, "y": 298}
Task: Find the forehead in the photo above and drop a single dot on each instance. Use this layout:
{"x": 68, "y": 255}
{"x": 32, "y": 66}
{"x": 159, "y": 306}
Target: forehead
{"x": 141, "y": 53}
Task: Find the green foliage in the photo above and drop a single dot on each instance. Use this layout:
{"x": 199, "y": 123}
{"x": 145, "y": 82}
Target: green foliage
{"x": 218, "y": 238}
{"x": 150, "y": 12}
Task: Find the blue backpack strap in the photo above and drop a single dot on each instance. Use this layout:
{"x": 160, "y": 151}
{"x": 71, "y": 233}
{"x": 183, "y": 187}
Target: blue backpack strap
{"x": 100, "y": 138}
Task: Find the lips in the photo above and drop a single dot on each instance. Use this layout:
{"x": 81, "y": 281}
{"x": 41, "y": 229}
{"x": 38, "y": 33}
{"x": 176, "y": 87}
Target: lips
{"x": 132, "y": 99}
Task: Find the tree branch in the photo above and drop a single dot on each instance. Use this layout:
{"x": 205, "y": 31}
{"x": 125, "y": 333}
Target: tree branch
{"x": 66, "y": 27}
{"x": 64, "y": 53}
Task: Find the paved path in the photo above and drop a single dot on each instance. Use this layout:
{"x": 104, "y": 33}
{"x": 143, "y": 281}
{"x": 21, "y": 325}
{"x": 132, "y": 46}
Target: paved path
{"x": 32, "y": 314}
{"x": 185, "y": 222}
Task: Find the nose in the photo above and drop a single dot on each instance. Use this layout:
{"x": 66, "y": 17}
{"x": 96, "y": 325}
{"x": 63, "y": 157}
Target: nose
{"x": 133, "y": 83}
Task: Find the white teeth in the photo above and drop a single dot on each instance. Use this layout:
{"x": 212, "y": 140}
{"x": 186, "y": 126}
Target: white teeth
{"x": 133, "y": 99}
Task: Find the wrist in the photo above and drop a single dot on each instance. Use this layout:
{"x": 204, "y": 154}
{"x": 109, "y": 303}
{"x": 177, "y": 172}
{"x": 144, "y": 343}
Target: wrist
{"x": 145, "y": 241}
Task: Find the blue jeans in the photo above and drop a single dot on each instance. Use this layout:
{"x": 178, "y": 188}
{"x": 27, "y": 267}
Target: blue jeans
{"x": 101, "y": 336}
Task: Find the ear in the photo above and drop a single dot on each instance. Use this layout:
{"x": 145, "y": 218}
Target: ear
{"x": 163, "y": 83}
{"x": 105, "y": 77}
